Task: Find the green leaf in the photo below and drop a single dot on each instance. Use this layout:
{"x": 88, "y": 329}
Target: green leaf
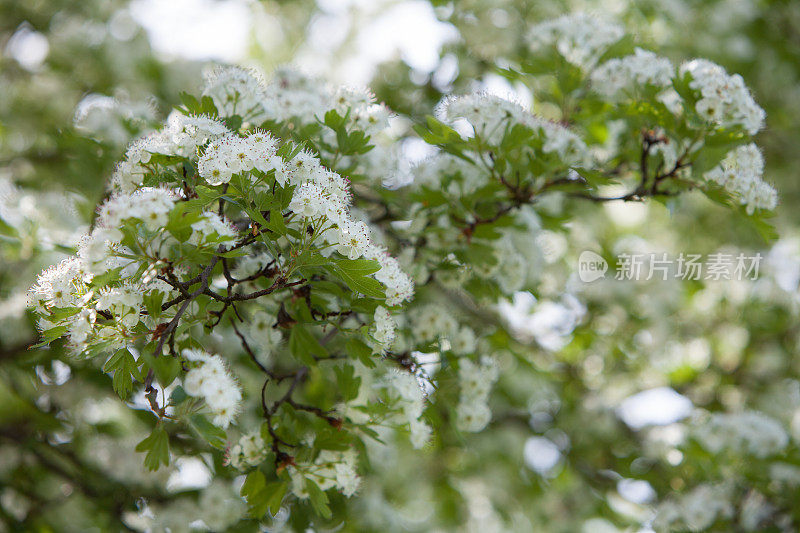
{"x": 517, "y": 136}
{"x": 440, "y": 134}
{"x": 60, "y": 313}
{"x": 105, "y": 278}
{"x": 333, "y": 440}
{"x": 7, "y": 229}
{"x": 207, "y": 194}
{"x": 310, "y": 258}
{"x": 593, "y": 177}
{"x": 190, "y": 104}
{"x": 319, "y": 500}
{"x": 165, "y": 160}
{"x": 355, "y": 274}
{"x": 178, "y": 396}
{"x": 275, "y": 491}
{"x": 289, "y": 149}
{"x": 271, "y": 218}
{"x": 726, "y": 138}
{"x": 152, "y": 302}
{"x": 359, "y": 267}
{"x": 49, "y": 335}
{"x": 625, "y": 46}
{"x": 193, "y": 106}
{"x": 478, "y": 254}
{"x": 180, "y": 220}
{"x": 348, "y": 382}
{"x": 360, "y": 350}
{"x": 356, "y": 142}
{"x": 232, "y": 254}
{"x": 262, "y": 496}
{"x": 157, "y": 447}
{"x": 234, "y": 122}
{"x": 207, "y": 106}
{"x": 430, "y": 197}
{"x": 212, "y": 434}
{"x": 365, "y": 285}
{"x": 652, "y": 111}
{"x": 254, "y": 482}
{"x": 371, "y": 433}
{"x": 256, "y": 215}
{"x": 487, "y": 231}
{"x": 165, "y": 367}
{"x": 765, "y": 228}
{"x": 125, "y": 369}
{"x": 304, "y": 346}
{"x": 334, "y": 120}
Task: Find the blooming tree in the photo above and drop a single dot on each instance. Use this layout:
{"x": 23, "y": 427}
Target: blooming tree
{"x": 274, "y": 283}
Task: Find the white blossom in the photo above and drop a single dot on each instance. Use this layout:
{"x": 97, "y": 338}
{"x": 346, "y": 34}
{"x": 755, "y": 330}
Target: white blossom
{"x": 211, "y": 381}
{"x": 695, "y": 510}
{"x": 491, "y": 116}
{"x": 385, "y": 327}
{"x": 724, "y": 99}
{"x": 248, "y": 452}
{"x": 580, "y": 38}
{"x": 404, "y": 388}
{"x": 749, "y": 432}
{"x": 475, "y": 380}
{"x": 740, "y": 173}
{"x": 236, "y": 91}
{"x": 330, "y": 470}
{"x": 641, "y": 69}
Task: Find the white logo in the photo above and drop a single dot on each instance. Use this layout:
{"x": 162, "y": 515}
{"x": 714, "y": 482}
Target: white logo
{"x": 591, "y": 266}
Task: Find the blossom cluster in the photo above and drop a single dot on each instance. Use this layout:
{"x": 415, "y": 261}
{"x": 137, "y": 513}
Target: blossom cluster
{"x": 291, "y": 95}
{"x": 404, "y": 389}
{"x": 148, "y": 204}
{"x": 319, "y": 193}
{"x": 431, "y": 171}
{"x": 261, "y": 333}
{"x": 212, "y": 382}
{"x": 217, "y": 508}
{"x": 249, "y": 451}
{"x": 101, "y": 250}
{"x": 432, "y": 322}
{"x": 294, "y": 95}
{"x": 67, "y": 285}
{"x": 330, "y": 470}
{"x": 181, "y": 136}
{"x": 724, "y": 99}
{"x": 641, "y": 69}
{"x": 548, "y": 322}
{"x": 236, "y": 91}
{"x": 385, "y": 328}
{"x": 749, "y": 432}
{"x": 321, "y": 196}
{"x": 60, "y": 285}
{"x": 695, "y": 510}
{"x": 231, "y": 154}
{"x": 475, "y": 382}
{"x": 740, "y": 174}
{"x": 41, "y": 217}
{"x": 492, "y": 117}
{"x": 580, "y": 38}
{"x": 211, "y": 201}
{"x": 64, "y": 300}
{"x": 111, "y": 119}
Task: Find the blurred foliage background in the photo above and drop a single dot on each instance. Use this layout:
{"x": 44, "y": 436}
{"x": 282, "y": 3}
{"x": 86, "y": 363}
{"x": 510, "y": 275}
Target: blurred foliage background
{"x": 558, "y": 456}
